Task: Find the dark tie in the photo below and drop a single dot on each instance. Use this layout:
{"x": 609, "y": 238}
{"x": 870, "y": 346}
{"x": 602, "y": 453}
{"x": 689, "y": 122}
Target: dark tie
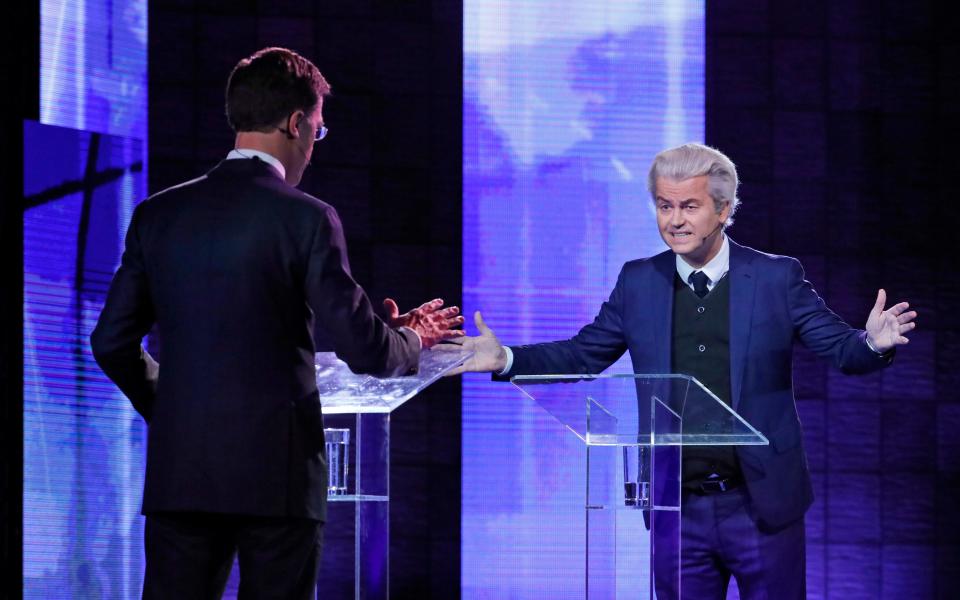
{"x": 699, "y": 280}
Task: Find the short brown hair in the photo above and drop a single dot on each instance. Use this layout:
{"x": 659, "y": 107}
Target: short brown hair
{"x": 269, "y": 85}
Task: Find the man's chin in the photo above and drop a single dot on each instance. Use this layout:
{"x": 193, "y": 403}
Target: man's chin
{"x": 691, "y": 253}
{"x": 682, "y": 248}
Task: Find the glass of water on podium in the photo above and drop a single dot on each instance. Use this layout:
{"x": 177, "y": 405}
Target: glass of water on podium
{"x": 338, "y": 460}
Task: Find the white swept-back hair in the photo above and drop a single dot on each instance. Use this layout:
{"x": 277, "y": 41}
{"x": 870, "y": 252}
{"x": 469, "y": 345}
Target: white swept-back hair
{"x": 693, "y": 160}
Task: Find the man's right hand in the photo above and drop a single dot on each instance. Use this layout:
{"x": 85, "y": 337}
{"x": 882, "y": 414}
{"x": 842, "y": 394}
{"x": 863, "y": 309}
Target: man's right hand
{"x": 488, "y": 353}
{"x": 432, "y": 323}
{"x": 151, "y": 369}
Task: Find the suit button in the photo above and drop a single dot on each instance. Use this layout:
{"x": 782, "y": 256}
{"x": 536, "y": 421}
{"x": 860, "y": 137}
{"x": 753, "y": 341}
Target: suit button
{"x": 700, "y": 309}
{"x": 701, "y": 348}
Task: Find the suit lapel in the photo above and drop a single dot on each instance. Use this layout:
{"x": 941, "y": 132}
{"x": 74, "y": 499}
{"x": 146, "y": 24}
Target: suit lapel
{"x": 742, "y": 287}
{"x": 661, "y": 303}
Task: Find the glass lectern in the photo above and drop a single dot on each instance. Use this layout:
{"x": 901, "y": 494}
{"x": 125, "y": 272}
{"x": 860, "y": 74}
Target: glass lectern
{"x": 356, "y": 411}
{"x": 634, "y": 428}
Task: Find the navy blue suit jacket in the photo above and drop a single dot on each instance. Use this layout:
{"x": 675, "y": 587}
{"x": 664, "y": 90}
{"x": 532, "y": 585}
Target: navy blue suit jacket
{"x": 237, "y": 269}
{"x": 771, "y": 305}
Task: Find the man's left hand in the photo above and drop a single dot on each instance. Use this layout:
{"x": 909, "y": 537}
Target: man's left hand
{"x": 432, "y": 323}
{"x": 887, "y": 328}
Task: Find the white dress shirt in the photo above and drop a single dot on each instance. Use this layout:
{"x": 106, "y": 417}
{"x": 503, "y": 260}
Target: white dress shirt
{"x": 715, "y": 269}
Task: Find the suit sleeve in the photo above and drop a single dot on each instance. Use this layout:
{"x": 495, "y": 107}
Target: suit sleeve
{"x": 127, "y": 316}
{"x": 594, "y": 348}
{"x": 360, "y": 338}
{"x": 825, "y": 333}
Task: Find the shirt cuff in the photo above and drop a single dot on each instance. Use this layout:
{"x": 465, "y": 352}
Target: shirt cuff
{"x": 871, "y": 346}
{"x": 509, "y": 365}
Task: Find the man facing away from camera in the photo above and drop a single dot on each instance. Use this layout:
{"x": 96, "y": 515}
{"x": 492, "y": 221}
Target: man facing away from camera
{"x": 237, "y": 269}
{"x": 727, "y": 315}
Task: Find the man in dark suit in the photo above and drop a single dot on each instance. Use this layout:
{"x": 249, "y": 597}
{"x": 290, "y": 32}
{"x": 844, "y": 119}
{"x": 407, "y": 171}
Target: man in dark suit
{"x": 237, "y": 269}
{"x": 727, "y": 315}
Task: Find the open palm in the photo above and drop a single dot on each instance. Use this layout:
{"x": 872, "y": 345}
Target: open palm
{"x": 430, "y": 320}
{"x": 887, "y": 328}
{"x": 488, "y": 353}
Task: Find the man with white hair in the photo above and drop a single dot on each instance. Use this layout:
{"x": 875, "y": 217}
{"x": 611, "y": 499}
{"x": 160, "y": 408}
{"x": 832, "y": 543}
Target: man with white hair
{"x": 727, "y": 315}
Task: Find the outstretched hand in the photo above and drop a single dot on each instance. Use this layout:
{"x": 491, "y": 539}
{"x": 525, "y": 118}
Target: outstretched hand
{"x": 886, "y": 328}
{"x": 488, "y": 353}
{"x": 431, "y": 322}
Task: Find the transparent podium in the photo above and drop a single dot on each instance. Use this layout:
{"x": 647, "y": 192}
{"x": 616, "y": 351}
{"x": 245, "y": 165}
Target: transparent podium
{"x": 634, "y": 428}
{"x": 356, "y": 413}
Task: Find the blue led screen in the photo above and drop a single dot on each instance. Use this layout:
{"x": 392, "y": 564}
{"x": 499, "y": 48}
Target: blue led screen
{"x": 565, "y": 105}
{"x": 83, "y": 442}
{"x": 93, "y": 65}
{"x": 84, "y": 170}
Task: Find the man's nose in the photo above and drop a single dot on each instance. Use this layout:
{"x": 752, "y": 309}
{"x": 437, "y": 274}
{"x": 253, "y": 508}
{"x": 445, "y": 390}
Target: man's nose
{"x": 676, "y": 217}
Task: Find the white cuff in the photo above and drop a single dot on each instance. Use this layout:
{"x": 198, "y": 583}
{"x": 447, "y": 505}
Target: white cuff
{"x": 509, "y": 364}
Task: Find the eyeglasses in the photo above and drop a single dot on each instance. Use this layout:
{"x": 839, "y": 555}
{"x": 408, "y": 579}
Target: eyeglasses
{"x": 319, "y": 135}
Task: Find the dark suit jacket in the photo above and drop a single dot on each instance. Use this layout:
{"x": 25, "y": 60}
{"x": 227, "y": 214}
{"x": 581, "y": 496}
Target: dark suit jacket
{"x": 235, "y": 268}
{"x": 771, "y": 305}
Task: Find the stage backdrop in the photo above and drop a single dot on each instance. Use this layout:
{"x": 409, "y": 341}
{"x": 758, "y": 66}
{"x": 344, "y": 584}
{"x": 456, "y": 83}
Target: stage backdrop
{"x": 83, "y": 173}
{"x": 565, "y": 105}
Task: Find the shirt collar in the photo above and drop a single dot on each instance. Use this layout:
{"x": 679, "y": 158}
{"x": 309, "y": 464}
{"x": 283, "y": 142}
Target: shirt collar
{"x": 249, "y": 153}
{"x": 715, "y": 269}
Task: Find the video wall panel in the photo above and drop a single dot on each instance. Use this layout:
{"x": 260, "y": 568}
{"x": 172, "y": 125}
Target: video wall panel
{"x": 84, "y": 170}
{"x": 565, "y": 105}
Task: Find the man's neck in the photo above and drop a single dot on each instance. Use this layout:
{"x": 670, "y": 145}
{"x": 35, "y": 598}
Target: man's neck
{"x": 264, "y": 142}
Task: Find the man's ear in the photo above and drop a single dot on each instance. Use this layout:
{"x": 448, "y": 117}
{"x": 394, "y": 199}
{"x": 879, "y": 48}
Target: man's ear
{"x": 293, "y": 121}
{"x": 725, "y": 211}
